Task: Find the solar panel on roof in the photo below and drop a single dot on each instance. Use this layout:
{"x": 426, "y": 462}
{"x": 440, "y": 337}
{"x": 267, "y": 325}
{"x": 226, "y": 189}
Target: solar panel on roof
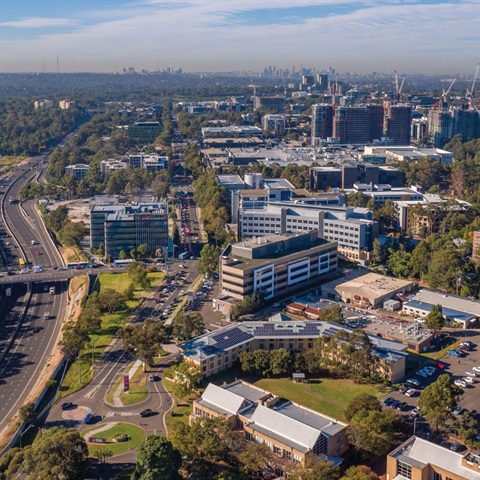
{"x": 210, "y": 350}
{"x": 231, "y": 337}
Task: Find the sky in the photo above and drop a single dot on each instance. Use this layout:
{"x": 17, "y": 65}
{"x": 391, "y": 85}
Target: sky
{"x": 410, "y": 36}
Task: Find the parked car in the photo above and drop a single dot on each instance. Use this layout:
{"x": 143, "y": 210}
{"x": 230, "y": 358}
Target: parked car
{"x": 458, "y": 411}
{"x": 402, "y": 389}
{"x": 67, "y": 405}
{"x": 476, "y": 369}
{"x": 388, "y": 401}
{"x": 395, "y": 403}
{"x": 460, "y": 383}
{"x": 455, "y": 446}
{"x": 413, "y": 381}
{"x": 469, "y": 380}
{"x": 454, "y": 353}
{"x": 415, "y": 412}
{"x": 471, "y": 374}
{"x": 410, "y": 392}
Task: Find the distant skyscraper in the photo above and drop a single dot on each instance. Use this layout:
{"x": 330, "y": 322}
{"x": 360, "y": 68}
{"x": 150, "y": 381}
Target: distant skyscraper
{"x": 466, "y": 123}
{"x": 322, "y": 81}
{"x": 397, "y": 123}
{"x": 440, "y": 127}
{"x": 322, "y": 119}
{"x": 375, "y": 122}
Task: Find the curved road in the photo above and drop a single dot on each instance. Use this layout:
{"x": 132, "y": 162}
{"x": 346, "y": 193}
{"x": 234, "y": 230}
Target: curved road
{"x": 37, "y": 337}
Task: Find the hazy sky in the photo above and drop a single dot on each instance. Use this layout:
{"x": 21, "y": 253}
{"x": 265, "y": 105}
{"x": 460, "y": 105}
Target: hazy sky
{"x": 430, "y": 36}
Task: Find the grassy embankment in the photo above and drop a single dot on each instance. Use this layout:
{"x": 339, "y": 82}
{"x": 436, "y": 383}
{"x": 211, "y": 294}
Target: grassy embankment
{"x": 80, "y": 372}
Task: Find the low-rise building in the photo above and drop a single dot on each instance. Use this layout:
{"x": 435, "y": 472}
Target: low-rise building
{"x": 78, "y": 171}
{"x": 419, "y": 459}
{"x": 274, "y": 124}
{"x": 291, "y": 431}
{"x": 276, "y": 265}
{"x": 460, "y": 310}
{"x": 232, "y": 131}
{"x": 220, "y": 350}
{"x": 151, "y": 163}
{"x": 408, "y": 153}
{"x": 43, "y": 104}
{"x": 372, "y": 290}
{"x": 111, "y": 165}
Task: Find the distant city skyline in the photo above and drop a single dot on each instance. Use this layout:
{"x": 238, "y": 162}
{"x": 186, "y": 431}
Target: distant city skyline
{"x": 410, "y": 36}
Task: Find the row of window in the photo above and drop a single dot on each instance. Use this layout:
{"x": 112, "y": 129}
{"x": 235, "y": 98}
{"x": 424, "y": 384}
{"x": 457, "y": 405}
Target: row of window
{"x": 279, "y": 451}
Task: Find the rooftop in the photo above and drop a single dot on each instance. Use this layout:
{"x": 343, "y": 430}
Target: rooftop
{"x": 419, "y": 453}
{"x": 449, "y": 313}
{"x": 373, "y": 285}
{"x": 449, "y": 301}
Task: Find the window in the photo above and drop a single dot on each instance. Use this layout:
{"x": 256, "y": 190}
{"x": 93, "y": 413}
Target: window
{"x": 437, "y": 476}
{"x": 198, "y": 412}
{"x": 277, "y": 450}
{"x": 296, "y": 458}
{"x": 268, "y": 444}
{"x": 248, "y": 436}
{"x": 287, "y": 455}
{"x": 404, "y": 469}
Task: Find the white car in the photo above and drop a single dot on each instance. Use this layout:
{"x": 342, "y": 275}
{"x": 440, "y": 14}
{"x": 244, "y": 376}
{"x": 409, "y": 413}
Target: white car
{"x": 410, "y": 392}
{"x": 413, "y": 381}
{"x": 471, "y": 374}
{"x": 468, "y": 380}
{"x": 476, "y": 369}
{"x": 460, "y": 383}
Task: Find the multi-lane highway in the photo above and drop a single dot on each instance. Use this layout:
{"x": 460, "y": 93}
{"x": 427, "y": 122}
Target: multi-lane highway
{"x": 21, "y": 366}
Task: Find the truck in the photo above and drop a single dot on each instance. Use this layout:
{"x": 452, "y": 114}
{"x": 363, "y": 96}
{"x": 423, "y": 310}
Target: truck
{"x": 52, "y": 290}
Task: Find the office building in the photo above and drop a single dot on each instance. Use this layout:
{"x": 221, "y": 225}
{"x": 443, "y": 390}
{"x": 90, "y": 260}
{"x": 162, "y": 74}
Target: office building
{"x": 375, "y": 122}
{"x": 322, "y": 82}
{"x": 466, "y": 123}
{"x": 353, "y": 229}
{"x": 397, "y": 124}
{"x": 232, "y": 131}
{"x": 440, "y": 127}
{"x": 111, "y": 165}
{"x": 78, "y": 171}
{"x": 407, "y": 153}
{"x": 272, "y": 103}
{"x": 219, "y": 350}
{"x": 274, "y": 124}
{"x": 419, "y": 459}
{"x": 151, "y": 163}
{"x": 145, "y": 132}
{"x": 322, "y": 123}
{"x": 276, "y": 265}
{"x": 350, "y": 125}
{"x": 126, "y": 227}
{"x": 292, "y": 432}
{"x": 346, "y": 175}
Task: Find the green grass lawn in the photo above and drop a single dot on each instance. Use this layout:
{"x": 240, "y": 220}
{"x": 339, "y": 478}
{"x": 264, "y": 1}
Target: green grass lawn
{"x": 329, "y": 396}
{"x": 182, "y": 409}
{"x": 138, "y": 388}
{"x": 111, "y": 322}
{"x": 441, "y": 353}
{"x": 136, "y": 434}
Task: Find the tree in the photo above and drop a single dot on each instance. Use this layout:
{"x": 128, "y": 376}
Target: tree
{"x": 74, "y": 339}
{"x": 208, "y": 261}
{"x": 332, "y": 314}
{"x": 399, "y": 263}
{"x": 360, "y": 472}
{"x": 186, "y": 327}
{"x": 364, "y": 401}
{"x": 175, "y": 235}
{"x": 143, "y": 341}
{"x": 59, "y": 454}
{"x": 281, "y": 361}
{"x": 102, "y": 455}
{"x": 142, "y": 250}
{"x": 435, "y": 319}
{"x": 122, "y": 255}
{"x": 157, "y": 460}
{"x": 374, "y": 431}
{"x": 139, "y": 275}
{"x": 319, "y": 468}
{"x": 378, "y": 252}
{"x": 27, "y": 412}
{"x": 438, "y": 400}
{"x": 186, "y": 376}
{"x": 420, "y": 259}
{"x": 111, "y": 300}
{"x": 255, "y": 458}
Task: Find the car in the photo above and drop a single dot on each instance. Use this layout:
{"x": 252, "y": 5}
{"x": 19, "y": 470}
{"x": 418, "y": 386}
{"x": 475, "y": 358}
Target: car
{"x": 413, "y": 381}
{"x": 402, "y": 406}
{"x": 67, "y": 405}
{"x": 455, "y": 446}
{"x": 35, "y": 330}
{"x": 151, "y": 377}
{"x": 471, "y": 374}
{"x": 410, "y": 392}
{"x": 469, "y": 380}
{"x": 476, "y": 369}
{"x": 147, "y": 413}
{"x": 38, "y": 252}
{"x": 460, "y": 383}
{"x": 157, "y": 300}
{"x": 458, "y": 411}
{"x": 78, "y": 267}
{"x": 402, "y": 389}
{"x": 59, "y": 269}
{"x": 415, "y": 412}
{"x": 388, "y": 401}
{"x": 23, "y": 271}
{"x": 395, "y": 403}
{"x": 441, "y": 365}
{"x": 454, "y": 353}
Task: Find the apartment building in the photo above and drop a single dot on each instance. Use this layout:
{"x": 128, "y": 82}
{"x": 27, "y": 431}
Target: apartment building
{"x": 125, "y": 227}
{"x": 291, "y": 431}
{"x": 219, "y": 350}
{"x": 277, "y": 265}
{"x": 78, "y": 171}
{"x": 352, "y": 228}
{"x": 419, "y": 459}
{"x": 275, "y": 103}
{"x": 111, "y": 165}
{"x": 322, "y": 122}
{"x": 397, "y": 124}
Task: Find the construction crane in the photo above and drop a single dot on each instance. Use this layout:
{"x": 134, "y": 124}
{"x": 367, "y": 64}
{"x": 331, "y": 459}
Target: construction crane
{"x": 471, "y": 92}
{"x": 398, "y": 86}
{"x": 446, "y": 92}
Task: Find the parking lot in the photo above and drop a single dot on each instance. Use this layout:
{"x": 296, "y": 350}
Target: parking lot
{"x": 454, "y": 366}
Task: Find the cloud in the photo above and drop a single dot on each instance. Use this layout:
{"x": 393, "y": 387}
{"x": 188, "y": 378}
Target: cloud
{"x": 39, "y": 22}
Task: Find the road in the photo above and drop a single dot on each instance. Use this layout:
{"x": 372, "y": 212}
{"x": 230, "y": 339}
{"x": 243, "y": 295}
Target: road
{"x": 36, "y": 338}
